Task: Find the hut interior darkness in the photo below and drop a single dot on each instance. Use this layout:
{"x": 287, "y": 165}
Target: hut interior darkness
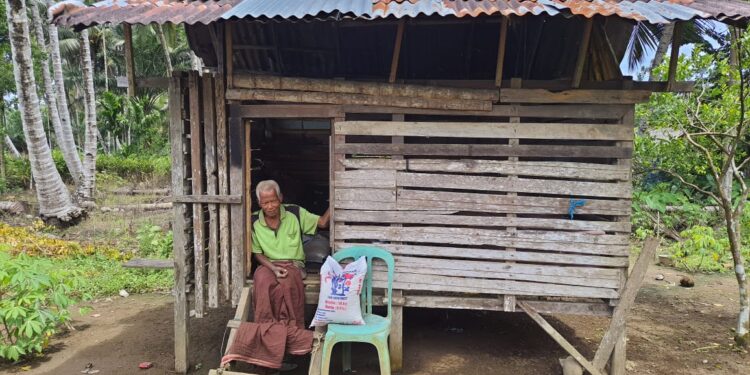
{"x": 485, "y": 143}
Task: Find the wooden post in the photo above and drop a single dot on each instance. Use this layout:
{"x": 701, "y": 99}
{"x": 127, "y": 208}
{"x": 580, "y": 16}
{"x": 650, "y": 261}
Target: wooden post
{"x": 396, "y": 341}
{"x": 237, "y": 220}
{"x": 397, "y": 50}
{"x": 336, "y": 164}
{"x": 179, "y": 211}
{"x": 501, "y": 52}
{"x": 229, "y": 50}
{"x": 674, "y": 56}
{"x": 223, "y": 174}
{"x": 209, "y": 128}
{"x": 248, "y": 208}
{"x": 619, "y": 356}
{"x": 129, "y": 64}
{"x": 616, "y": 329}
{"x": 582, "y": 53}
{"x": 196, "y": 143}
{"x": 509, "y": 301}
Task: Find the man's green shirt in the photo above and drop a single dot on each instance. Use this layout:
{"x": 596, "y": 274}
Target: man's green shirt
{"x": 284, "y": 243}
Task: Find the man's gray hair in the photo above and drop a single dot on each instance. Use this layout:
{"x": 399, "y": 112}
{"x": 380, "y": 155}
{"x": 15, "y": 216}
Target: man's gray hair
{"x": 266, "y": 186}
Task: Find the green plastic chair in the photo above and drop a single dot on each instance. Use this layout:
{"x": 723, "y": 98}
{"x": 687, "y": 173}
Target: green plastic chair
{"x": 376, "y": 328}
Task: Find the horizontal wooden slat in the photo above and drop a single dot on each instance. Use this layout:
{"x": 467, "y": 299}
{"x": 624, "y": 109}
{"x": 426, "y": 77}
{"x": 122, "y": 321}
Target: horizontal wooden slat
{"x": 389, "y": 206}
{"x": 518, "y": 268}
{"x": 225, "y": 199}
{"x": 405, "y": 281}
{"x": 478, "y": 237}
{"x": 586, "y": 171}
{"x": 374, "y": 163}
{"x": 365, "y": 179}
{"x": 505, "y": 184}
{"x": 417, "y": 269}
{"x": 608, "y": 132}
{"x": 561, "y": 111}
{"x": 494, "y": 254}
{"x": 483, "y": 150}
{"x": 517, "y": 204}
{"x": 396, "y": 217}
{"x": 510, "y": 95}
{"x": 521, "y": 235}
{"x": 496, "y": 304}
{"x": 366, "y": 194}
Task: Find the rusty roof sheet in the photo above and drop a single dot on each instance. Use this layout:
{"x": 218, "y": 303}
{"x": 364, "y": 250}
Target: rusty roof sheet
{"x": 75, "y": 13}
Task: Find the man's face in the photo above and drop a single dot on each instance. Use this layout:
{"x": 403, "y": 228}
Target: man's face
{"x": 270, "y": 203}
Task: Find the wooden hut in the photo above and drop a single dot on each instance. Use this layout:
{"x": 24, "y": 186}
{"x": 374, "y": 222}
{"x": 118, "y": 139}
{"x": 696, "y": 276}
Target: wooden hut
{"x": 485, "y": 143}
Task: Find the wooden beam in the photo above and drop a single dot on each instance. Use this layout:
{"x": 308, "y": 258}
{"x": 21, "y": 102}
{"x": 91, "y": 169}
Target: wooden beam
{"x": 247, "y": 192}
{"x": 129, "y": 64}
{"x": 218, "y": 199}
{"x": 236, "y": 140}
{"x": 149, "y": 263}
{"x": 229, "y": 50}
{"x": 268, "y": 82}
{"x": 501, "y": 52}
{"x": 675, "y": 54}
{"x": 358, "y": 99}
{"x": 311, "y": 111}
{"x": 627, "y": 297}
{"x": 583, "y": 52}
{"x": 577, "y": 96}
{"x": 559, "y": 338}
{"x": 179, "y": 211}
{"x": 397, "y": 50}
{"x": 196, "y": 178}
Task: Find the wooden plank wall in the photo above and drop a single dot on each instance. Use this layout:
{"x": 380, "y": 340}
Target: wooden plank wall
{"x": 483, "y": 207}
{"x": 207, "y": 265}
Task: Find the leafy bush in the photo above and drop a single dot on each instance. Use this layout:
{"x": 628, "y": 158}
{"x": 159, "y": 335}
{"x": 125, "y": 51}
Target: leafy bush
{"x": 153, "y": 242}
{"x": 35, "y": 241}
{"x": 134, "y": 166}
{"x": 35, "y": 297}
{"x": 650, "y": 208}
{"x": 103, "y": 276}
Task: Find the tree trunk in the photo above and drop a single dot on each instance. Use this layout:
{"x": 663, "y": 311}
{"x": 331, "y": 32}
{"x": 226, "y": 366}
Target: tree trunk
{"x": 67, "y": 146}
{"x": 54, "y": 199}
{"x": 104, "y": 51}
{"x": 61, "y": 98}
{"x": 661, "y": 49}
{"x": 2, "y": 133}
{"x": 11, "y": 147}
{"x": 90, "y": 144}
{"x": 165, "y": 47}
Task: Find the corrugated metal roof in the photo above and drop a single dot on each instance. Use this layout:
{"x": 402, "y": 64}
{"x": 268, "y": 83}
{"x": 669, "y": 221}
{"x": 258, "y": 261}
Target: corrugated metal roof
{"x": 75, "y": 13}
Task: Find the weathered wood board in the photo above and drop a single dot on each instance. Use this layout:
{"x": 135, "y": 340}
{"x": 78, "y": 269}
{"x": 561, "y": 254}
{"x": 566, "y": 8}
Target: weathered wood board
{"x": 512, "y": 208}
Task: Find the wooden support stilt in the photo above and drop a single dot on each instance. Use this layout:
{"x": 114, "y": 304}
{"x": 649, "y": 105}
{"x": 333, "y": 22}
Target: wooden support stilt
{"x": 129, "y": 64}
{"x": 179, "y": 243}
{"x": 396, "y": 340}
{"x": 397, "y": 50}
{"x": 559, "y": 338}
{"x": 582, "y": 53}
{"x": 618, "y": 358}
{"x": 509, "y": 301}
{"x": 501, "y": 52}
{"x": 196, "y": 177}
{"x": 616, "y": 329}
{"x": 248, "y": 202}
{"x": 674, "y": 57}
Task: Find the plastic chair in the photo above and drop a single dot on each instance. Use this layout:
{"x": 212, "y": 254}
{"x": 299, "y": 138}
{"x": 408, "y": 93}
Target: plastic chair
{"x": 376, "y": 328}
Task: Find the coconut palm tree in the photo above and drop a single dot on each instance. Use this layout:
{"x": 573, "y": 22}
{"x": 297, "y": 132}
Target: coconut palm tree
{"x": 54, "y": 199}
{"x": 89, "y": 148}
{"x": 64, "y": 137}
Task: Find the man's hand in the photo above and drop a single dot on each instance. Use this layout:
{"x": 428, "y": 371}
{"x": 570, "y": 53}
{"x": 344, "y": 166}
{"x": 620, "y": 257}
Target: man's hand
{"x": 280, "y": 272}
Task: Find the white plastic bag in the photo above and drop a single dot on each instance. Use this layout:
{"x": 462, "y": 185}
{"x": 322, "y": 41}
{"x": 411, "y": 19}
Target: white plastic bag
{"x": 340, "y": 289}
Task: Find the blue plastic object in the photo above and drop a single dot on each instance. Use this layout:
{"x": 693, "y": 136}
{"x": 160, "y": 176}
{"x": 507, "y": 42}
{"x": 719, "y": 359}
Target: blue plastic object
{"x": 376, "y": 328}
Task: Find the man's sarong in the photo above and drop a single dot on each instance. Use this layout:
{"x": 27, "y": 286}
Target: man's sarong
{"x": 279, "y": 324}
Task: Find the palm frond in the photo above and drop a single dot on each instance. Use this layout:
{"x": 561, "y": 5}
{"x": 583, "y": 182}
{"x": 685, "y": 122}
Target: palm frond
{"x": 644, "y": 38}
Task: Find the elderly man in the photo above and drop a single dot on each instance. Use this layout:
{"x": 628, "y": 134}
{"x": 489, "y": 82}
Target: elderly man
{"x": 278, "y": 293}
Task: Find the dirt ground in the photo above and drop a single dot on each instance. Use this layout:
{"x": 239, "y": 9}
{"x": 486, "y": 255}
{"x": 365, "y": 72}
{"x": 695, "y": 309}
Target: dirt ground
{"x": 672, "y": 330}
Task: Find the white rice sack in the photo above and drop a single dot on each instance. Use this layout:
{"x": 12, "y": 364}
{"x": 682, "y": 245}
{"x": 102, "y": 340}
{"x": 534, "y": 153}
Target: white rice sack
{"x": 340, "y": 289}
